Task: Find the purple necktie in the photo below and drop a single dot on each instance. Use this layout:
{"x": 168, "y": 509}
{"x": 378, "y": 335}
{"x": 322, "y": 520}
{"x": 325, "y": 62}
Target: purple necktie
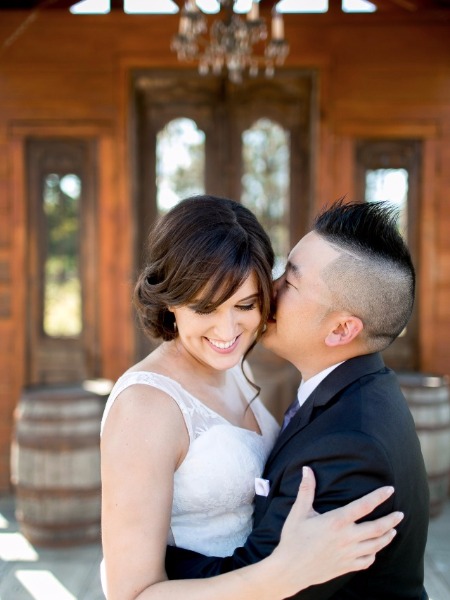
{"x": 290, "y": 413}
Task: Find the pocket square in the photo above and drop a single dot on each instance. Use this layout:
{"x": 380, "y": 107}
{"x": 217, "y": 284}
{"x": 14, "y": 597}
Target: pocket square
{"x": 262, "y": 486}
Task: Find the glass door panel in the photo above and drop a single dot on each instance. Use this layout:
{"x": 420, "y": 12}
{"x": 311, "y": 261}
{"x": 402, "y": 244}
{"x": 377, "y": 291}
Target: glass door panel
{"x": 180, "y": 163}
{"x": 266, "y": 183}
{"x": 62, "y": 313}
{"x": 390, "y": 185}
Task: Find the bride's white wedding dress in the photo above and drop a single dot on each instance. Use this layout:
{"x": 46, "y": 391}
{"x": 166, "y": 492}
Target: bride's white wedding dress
{"x": 215, "y": 484}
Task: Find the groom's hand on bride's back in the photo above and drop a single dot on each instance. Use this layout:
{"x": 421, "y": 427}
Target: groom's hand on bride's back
{"x": 343, "y": 544}
{"x": 336, "y": 531}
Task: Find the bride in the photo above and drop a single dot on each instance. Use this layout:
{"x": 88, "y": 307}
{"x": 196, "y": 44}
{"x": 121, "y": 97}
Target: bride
{"x": 184, "y": 435}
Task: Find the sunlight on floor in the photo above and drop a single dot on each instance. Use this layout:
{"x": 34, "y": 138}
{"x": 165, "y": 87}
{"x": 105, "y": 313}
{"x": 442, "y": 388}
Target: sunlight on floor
{"x": 13, "y": 546}
{"x": 4, "y": 523}
{"x": 43, "y": 585}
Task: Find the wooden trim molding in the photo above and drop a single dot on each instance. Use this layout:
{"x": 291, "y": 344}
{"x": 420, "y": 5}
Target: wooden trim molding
{"x": 422, "y": 129}
{"x": 428, "y": 259}
{"x": 70, "y": 128}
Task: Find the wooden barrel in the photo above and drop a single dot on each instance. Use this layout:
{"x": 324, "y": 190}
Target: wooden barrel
{"x": 55, "y": 462}
{"x": 429, "y": 401}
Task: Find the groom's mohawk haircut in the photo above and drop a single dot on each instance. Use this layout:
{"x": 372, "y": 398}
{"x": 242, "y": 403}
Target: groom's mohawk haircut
{"x": 374, "y": 276}
{"x": 370, "y": 226}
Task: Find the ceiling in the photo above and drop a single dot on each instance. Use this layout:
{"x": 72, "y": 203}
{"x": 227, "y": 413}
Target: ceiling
{"x": 411, "y": 6}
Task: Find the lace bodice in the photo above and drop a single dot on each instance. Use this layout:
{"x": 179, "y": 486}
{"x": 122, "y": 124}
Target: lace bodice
{"x": 214, "y": 485}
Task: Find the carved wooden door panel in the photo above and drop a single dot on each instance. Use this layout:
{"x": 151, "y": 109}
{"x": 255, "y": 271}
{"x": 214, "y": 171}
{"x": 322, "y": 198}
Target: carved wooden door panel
{"x": 62, "y": 342}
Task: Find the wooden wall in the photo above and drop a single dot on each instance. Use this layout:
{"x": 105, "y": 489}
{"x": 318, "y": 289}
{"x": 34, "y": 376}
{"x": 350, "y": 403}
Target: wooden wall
{"x": 68, "y": 75}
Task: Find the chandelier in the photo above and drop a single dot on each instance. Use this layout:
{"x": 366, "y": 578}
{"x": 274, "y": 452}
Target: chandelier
{"x": 232, "y": 41}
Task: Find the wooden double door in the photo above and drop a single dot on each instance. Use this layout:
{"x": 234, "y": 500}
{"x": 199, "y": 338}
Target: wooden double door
{"x": 226, "y": 115}
{"x": 253, "y": 145}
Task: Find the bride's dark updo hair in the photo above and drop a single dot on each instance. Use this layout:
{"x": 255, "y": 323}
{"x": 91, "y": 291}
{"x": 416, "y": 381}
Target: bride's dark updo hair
{"x": 200, "y": 253}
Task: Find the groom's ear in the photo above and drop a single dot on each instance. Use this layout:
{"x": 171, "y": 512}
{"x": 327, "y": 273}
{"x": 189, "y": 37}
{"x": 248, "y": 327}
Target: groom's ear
{"x": 345, "y": 330}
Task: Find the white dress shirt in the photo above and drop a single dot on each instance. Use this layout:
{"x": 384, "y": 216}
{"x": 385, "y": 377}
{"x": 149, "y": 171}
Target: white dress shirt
{"x": 307, "y": 387}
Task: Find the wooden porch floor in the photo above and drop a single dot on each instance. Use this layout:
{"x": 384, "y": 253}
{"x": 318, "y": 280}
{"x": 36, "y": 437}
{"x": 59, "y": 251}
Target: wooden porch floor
{"x": 31, "y": 573}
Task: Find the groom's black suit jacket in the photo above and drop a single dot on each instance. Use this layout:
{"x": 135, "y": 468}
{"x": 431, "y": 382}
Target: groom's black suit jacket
{"x": 357, "y": 433}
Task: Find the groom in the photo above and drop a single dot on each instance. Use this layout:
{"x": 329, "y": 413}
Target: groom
{"x": 346, "y": 294}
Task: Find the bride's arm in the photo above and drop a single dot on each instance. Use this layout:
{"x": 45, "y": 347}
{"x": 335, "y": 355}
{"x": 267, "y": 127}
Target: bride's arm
{"x": 143, "y": 442}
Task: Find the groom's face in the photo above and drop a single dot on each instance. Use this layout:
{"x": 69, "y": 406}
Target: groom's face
{"x": 303, "y": 303}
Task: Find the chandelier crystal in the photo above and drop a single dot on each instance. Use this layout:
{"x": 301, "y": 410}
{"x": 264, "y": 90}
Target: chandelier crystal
{"x": 232, "y": 41}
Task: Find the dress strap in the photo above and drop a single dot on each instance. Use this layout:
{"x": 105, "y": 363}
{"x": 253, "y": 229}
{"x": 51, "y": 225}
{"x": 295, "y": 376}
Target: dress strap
{"x": 161, "y": 382}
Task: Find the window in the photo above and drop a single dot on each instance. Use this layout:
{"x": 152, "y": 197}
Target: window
{"x": 62, "y": 249}
{"x": 265, "y": 182}
{"x": 389, "y": 170}
{"x": 180, "y": 163}
{"x": 62, "y": 310}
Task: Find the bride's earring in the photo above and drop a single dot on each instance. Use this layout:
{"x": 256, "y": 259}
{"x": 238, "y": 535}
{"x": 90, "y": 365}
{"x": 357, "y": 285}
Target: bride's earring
{"x": 175, "y": 328}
